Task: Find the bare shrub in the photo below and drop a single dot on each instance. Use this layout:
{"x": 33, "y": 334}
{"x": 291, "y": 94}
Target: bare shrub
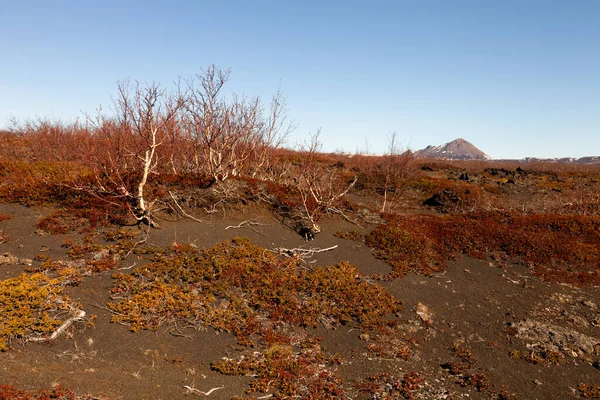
{"x": 126, "y": 152}
{"x": 321, "y": 188}
{"x": 230, "y": 138}
{"x": 396, "y": 168}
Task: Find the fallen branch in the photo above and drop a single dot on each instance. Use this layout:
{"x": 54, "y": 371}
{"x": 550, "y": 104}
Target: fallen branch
{"x": 336, "y": 210}
{"x": 186, "y": 215}
{"x": 192, "y": 390}
{"x": 124, "y": 268}
{"x": 300, "y": 252}
{"x": 245, "y": 224}
{"x": 80, "y": 314}
{"x": 248, "y": 224}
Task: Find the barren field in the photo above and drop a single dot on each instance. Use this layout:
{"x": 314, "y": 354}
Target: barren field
{"x": 423, "y": 279}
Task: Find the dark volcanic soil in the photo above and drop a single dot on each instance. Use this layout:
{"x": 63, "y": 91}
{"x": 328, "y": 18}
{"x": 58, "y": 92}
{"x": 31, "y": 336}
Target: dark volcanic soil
{"x": 500, "y": 314}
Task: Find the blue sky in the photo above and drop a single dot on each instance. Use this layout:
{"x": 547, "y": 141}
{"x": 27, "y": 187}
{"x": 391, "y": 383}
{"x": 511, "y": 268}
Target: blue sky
{"x": 515, "y": 78}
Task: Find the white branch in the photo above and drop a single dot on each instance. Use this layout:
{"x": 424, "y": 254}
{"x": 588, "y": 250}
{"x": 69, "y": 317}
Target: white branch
{"x": 300, "y": 252}
{"x": 79, "y": 315}
{"x": 186, "y": 214}
{"x": 192, "y": 390}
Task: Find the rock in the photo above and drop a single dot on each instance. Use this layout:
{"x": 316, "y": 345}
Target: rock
{"x": 8, "y": 258}
{"x": 444, "y": 198}
{"x": 424, "y": 312}
{"x": 101, "y": 254}
{"x": 11, "y": 259}
{"x": 556, "y": 338}
{"x": 365, "y": 336}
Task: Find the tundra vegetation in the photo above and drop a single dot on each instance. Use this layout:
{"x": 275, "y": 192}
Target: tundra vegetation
{"x": 192, "y": 152}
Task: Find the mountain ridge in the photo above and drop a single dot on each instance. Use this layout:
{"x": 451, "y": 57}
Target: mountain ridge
{"x": 458, "y": 149}
{"x": 461, "y": 149}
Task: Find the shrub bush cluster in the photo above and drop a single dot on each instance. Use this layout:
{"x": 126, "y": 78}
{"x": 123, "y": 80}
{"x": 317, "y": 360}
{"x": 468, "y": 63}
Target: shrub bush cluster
{"x": 9, "y": 392}
{"x": 387, "y": 386}
{"x": 239, "y": 287}
{"x": 29, "y": 305}
{"x": 304, "y": 374}
{"x": 559, "y": 248}
{"x": 251, "y": 279}
{"x": 589, "y": 391}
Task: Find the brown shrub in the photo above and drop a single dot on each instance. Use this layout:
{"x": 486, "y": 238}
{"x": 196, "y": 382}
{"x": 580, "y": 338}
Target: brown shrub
{"x": 559, "y": 248}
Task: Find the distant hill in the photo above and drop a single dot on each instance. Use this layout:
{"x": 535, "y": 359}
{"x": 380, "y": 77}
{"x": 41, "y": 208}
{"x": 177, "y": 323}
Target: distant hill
{"x": 591, "y": 160}
{"x": 458, "y": 149}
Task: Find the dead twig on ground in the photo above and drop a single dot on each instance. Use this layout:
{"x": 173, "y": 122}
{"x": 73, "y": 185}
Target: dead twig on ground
{"x": 79, "y": 315}
{"x": 248, "y": 225}
{"x": 125, "y": 268}
{"x": 178, "y": 332}
{"x": 186, "y": 215}
{"x": 300, "y": 252}
{"x": 191, "y": 390}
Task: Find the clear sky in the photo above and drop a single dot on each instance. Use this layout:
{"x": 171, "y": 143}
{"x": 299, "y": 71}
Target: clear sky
{"x": 516, "y": 78}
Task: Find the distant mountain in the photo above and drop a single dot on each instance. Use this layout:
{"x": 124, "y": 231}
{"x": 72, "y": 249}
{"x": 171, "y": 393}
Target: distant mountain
{"x": 458, "y": 149}
{"x": 592, "y": 160}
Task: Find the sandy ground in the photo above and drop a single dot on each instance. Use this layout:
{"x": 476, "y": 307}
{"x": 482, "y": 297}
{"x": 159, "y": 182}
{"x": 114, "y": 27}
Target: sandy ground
{"x": 474, "y": 302}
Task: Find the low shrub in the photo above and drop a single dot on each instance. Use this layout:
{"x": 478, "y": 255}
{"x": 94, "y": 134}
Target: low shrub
{"x": 251, "y": 279}
{"x": 59, "y": 392}
{"x": 304, "y": 374}
{"x": 558, "y": 248}
{"x": 589, "y": 391}
{"x": 388, "y": 386}
{"x": 28, "y": 307}
{"x": 263, "y": 299}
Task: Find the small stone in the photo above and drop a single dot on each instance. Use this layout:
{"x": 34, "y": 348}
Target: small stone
{"x": 101, "y": 254}
{"x": 537, "y": 382}
{"x": 8, "y": 258}
{"x": 365, "y": 336}
{"x": 424, "y": 312}
{"x": 44, "y": 248}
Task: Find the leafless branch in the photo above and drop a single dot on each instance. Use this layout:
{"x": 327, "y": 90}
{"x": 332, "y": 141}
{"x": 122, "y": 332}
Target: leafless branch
{"x": 79, "y": 315}
{"x": 191, "y": 390}
{"x": 301, "y": 252}
{"x": 186, "y": 215}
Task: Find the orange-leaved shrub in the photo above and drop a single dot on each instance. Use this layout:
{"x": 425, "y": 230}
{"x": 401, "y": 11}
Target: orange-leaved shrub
{"x": 265, "y": 300}
{"x": 558, "y": 248}
{"x": 192, "y": 285}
